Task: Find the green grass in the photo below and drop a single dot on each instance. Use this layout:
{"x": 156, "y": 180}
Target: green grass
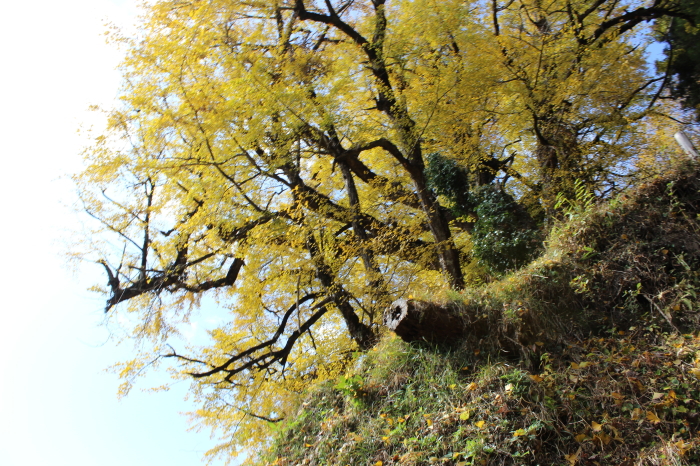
{"x": 591, "y": 356}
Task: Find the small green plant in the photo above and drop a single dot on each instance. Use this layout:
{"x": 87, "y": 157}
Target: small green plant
{"x": 582, "y": 202}
{"x": 351, "y": 387}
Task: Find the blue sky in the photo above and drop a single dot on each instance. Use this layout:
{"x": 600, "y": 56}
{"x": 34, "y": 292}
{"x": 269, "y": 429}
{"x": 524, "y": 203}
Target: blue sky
{"x": 58, "y": 406}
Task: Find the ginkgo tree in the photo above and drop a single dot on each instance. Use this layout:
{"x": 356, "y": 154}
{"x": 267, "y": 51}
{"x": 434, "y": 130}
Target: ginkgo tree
{"x": 271, "y": 158}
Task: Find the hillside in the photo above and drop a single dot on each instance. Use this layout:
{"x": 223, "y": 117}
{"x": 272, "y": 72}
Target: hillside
{"x": 590, "y": 355}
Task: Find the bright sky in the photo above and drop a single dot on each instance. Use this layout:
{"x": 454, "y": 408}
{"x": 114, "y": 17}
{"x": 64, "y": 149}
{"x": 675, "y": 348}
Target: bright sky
{"x": 58, "y": 406}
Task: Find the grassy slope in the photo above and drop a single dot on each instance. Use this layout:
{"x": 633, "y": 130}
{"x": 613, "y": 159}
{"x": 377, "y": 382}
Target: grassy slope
{"x": 591, "y": 356}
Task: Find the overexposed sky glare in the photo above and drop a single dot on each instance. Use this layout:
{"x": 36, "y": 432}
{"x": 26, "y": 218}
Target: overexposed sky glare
{"x": 58, "y": 406}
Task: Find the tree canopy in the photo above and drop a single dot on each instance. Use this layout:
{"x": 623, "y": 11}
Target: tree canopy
{"x": 280, "y": 160}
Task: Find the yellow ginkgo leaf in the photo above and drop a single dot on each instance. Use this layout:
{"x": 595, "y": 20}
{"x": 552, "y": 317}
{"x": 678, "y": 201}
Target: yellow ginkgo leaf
{"x": 536, "y": 378}
{"x": 602, "y": 438}
{"x": 471, "y": 386}
{"x": 637, "y": 414}
{"x": 519, "y": 433}
{"x": 596, "y": 427}
{"x": 652, "y": 417}
{"x": 464, "y": 416}
{"x": 657, "y": 396}
{"x": 378, "y": 463}
{"x": 479, "y": 424}
{"x": 682, "y": 447}
{"x": 573, "y": 458}
{"x": 581, "y": 437}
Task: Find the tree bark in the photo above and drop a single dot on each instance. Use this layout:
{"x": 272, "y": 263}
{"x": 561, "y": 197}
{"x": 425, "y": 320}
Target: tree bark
{"x": 414, "y": 320}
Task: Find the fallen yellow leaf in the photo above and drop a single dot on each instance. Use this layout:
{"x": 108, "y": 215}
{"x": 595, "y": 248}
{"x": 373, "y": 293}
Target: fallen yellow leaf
{"x": 637, "y": 414}
{"x": 464, "y": 416}
{"x": 471, "y": 386}
{"x": 536, "y": 378}
{"x": 573, "y": 458}
{"x": 480, "y": 424}
{"x": 519, "y": 433}
{"x": 652, "y": 417}
{"x": 596, "y": 427}
{"x": 682, "y": 447}
{"x": 581, "y": 437}
{"x": 602, "y": 438}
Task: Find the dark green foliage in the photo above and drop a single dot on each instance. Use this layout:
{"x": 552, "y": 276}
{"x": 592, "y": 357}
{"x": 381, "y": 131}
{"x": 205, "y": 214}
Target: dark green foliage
{"x": 504, "y": 236}
{"x": 683, "y": 55}
{"x": 446, "y": 178}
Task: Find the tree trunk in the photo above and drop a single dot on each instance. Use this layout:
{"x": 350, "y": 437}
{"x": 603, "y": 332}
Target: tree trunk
{"x": 486, "y": 330}
{"x": 422, "y": 321}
